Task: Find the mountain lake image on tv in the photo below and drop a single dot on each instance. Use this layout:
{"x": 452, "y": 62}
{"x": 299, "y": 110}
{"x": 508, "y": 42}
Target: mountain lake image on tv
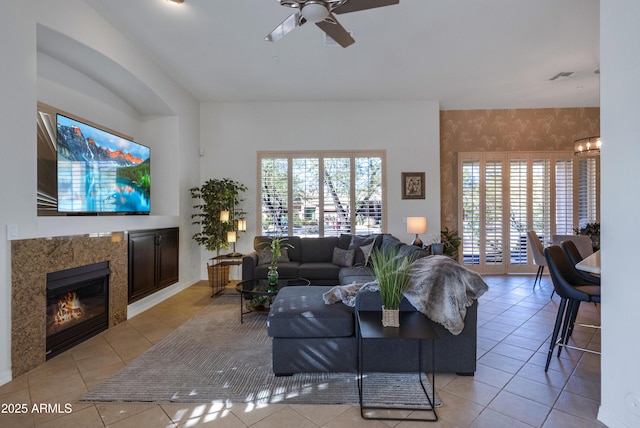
{"x": 99, "y": 172}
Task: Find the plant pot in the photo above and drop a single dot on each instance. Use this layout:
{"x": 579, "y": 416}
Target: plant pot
{"x": 390, "y": 317}
{"x": 218, "y": 275}
{"x": 437, "y": 249}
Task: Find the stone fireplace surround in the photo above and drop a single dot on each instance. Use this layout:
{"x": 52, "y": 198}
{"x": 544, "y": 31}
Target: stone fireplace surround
{"x": 31, "y": 260}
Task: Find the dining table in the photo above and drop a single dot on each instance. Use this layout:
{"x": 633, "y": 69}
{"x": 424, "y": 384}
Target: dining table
{"x": 590, "y": 263}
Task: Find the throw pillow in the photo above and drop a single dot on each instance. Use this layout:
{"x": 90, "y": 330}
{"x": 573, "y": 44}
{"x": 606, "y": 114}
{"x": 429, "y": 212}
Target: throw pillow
{"x": 357, "y": 242}
{"x": 367, "y": 250}
{"x": 342, "y": 257}
{"x": 265, "y": 256}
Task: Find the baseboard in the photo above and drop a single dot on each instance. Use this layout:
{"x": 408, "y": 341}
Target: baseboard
{"x": 610, "y": 420}
{"x": 149, "y": 302}
{"x": 5, "y": 377}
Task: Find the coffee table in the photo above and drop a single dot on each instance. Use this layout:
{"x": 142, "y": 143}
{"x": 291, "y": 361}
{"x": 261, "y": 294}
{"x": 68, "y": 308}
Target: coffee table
{"x": 260, "y": 287}
{"x": 413, "y": 325}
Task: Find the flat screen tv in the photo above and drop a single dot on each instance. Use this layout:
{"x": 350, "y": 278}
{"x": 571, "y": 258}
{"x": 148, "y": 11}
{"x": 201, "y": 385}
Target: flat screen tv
{"x": 100, "y": 172}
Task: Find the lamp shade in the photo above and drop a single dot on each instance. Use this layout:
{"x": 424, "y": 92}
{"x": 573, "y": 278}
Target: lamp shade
{"x": 242, "y": 225}
{"x": 416, "y": 225}
{"x": 224, "y": 215}
{"x": 231, "y": 236}
{"x": 314, "y": 11}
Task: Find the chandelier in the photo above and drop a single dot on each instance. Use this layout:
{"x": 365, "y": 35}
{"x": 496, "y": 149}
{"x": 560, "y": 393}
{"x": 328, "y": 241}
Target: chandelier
{"x": 588, "y": 146}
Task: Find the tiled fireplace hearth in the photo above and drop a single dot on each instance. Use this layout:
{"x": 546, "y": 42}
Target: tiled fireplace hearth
{"x": 31, "y": 261}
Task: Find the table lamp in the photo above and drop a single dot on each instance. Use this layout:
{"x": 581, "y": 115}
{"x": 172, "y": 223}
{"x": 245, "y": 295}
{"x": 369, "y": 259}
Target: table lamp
{"x": 417, "y": 225}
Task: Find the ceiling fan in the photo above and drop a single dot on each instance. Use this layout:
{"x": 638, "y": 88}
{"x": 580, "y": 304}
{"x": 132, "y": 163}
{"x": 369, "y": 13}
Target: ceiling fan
{"x": 321, "y": 12}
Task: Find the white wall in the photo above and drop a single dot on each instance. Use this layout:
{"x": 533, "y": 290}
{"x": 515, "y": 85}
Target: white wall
{"x": 232, "y": 133}
{"x": 620, "y": 202}
{"x": 17, "y": 163}
{"x": 159, "y": 114}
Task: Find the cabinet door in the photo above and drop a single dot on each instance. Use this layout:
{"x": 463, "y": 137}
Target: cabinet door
{"x": 167, "y": 257}
{"x": 142, "y": 265}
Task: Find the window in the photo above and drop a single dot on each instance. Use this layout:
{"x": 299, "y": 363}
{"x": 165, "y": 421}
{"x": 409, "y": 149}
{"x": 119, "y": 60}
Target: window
{"x": 504, "y": 194}
{"x": 321, "y": 193}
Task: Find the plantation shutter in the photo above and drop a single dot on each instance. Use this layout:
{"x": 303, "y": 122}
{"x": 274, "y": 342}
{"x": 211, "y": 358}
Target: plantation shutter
{"x": 518, "y": 207}
{"x": 470, "y": 210}
{"x": 564, "y": 197}
{"x": 321, "y": 193}
{"x": 305, "y": 196}
{"x": 493, "y": 224}
{"x": 274, "y": 195}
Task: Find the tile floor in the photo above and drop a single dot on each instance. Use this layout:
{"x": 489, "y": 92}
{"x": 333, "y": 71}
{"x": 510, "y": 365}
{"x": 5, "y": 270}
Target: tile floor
{"x": 509, "y": 389}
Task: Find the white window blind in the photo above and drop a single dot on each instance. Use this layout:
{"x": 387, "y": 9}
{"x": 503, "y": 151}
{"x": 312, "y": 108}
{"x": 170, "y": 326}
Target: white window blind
{"x": 470, "y": 210}
{"x": 518, "y": 204}
{"x": 564, "y": 197}
{"x": 274, "y": 192}
{"x": 329, "y": 193}
{"x": 541, "y": 198}
{"x": 494, "y": 247}
{"x": 587, "y": 190}
{"x": 502, "y": 195}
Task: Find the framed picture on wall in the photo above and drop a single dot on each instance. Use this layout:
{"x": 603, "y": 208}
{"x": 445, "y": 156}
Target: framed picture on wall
{"x": 413, "y": 185}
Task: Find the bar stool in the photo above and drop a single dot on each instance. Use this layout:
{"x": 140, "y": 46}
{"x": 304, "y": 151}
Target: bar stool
{"x": 572, "y": 290}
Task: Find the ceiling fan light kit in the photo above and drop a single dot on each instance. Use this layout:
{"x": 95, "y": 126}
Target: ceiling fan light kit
{"x": 321, "y": 12}
{"x": 315, "y": 11}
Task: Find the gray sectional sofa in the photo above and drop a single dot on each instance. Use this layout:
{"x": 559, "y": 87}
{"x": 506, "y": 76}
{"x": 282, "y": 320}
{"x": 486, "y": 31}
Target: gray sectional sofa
{"x": 313, "y": 258}
{"x": 311, "y": 336}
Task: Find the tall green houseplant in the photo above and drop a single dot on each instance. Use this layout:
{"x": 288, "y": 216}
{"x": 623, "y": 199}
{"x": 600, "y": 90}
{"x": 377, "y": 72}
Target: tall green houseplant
{"x": 392, "y": 273}
{"x": 213, "y": 197}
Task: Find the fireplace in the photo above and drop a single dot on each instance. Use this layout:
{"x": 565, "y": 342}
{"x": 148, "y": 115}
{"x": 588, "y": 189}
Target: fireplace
{"x": 77, "y": 306}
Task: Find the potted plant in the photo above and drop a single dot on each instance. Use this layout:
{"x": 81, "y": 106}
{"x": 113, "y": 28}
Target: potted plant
{"x": 450, "y": 242}
{"x": 214, "y": 197}
{"x": 276, "y": 246}
{"x": 392, "y": 273}
{"x": 592, "y": 230}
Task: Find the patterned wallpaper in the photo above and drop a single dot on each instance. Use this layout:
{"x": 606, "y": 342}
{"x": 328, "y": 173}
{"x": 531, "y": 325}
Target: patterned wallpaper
{"x": 505, "y": 130}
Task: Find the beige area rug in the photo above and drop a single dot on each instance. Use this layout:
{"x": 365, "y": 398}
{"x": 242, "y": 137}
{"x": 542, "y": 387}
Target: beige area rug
{"x": 212, "y": 358}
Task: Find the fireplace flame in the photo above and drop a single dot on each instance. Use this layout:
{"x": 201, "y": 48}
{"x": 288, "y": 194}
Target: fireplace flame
{"x": 69, "y": 309}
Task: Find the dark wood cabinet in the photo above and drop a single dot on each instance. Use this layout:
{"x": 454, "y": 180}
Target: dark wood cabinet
{"x": 153, "y": 261}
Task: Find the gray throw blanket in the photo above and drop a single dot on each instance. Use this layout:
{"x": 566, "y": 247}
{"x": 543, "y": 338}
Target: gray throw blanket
{"x": 347, "y": 293}
{"x": 443, "y": 289}
{"x": 439, "y": 287}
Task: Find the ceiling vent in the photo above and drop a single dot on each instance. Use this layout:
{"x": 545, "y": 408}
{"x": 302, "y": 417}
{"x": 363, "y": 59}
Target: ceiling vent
{"x": 562, "y": 74}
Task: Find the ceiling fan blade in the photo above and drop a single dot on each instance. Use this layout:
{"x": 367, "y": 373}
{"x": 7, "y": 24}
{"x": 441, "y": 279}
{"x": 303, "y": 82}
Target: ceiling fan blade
{"x": 356, "y": 5}
{"x": 332, "y": 27}
{"x": 294, "y": 20}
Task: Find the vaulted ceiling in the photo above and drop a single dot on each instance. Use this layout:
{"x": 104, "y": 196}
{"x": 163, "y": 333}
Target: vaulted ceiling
{"x": 468, "y": 54}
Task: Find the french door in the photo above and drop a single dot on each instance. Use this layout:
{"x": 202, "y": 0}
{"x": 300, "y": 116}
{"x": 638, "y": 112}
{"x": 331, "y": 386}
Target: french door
{"x": 504, "y": 194}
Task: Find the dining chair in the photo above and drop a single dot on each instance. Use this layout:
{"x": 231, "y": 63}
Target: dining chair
{"x": 572, "y": 290}
{"x": 583, "y": 243}
{"x": 571, "y": 250}
{"x": 537, "y": 251}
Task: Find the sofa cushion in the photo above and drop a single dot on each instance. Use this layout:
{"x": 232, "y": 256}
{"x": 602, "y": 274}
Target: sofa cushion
{"x": 262, "y": 242}
{"x": 285, "y": 270}
{"x": 301, "y": 312}
{"x": 319, "y": 270}
{"x": 344, "y": 240}
{"x": 314, "y": 250}
{"x": 357, "y": 274}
